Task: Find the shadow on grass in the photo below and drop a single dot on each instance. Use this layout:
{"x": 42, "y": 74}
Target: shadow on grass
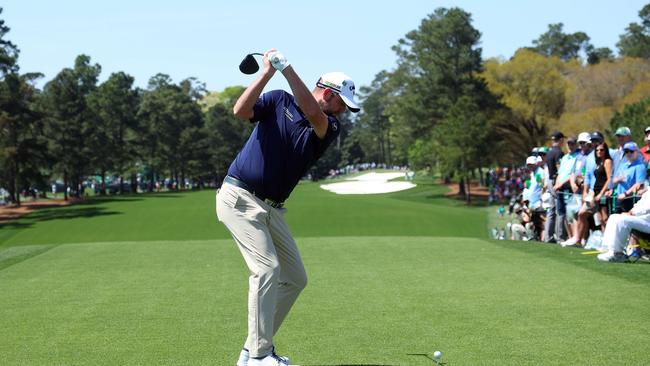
{"x": 423, "y": 355}
{"x": 426, "y": 356}
{"x": 57, "y": 213}
{"x": 129, "y": 197}
{"x": 354, "y": 364}
{"x": 69, "y": 213}
{"x": 15, "y": 255}
{"x": 87, "y": 208}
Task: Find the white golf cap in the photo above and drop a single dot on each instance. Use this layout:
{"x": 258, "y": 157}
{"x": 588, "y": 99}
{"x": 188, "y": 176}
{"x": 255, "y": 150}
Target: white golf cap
{"x": 531, "y": 160}
{"x": 341, "y": 84}
{"x": 584, "y": 137}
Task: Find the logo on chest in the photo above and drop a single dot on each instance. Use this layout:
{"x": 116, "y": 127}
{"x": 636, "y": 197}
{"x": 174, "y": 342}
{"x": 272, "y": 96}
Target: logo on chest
{"x": 288, "y": 114}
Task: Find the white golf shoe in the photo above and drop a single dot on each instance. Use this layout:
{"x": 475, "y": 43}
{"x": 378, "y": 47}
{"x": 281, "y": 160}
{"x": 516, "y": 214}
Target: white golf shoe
{"x": 569, "y": 242}
{"x": 270, "y": 360}
{"x": 610, "y": 256}
{"x": 244, "y": 359}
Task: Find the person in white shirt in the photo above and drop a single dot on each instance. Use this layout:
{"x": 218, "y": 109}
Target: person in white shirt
{"x": 619, "y": 227}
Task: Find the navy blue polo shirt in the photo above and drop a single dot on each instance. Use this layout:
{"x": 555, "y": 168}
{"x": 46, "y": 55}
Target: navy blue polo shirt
{"x": 281, "y": 148}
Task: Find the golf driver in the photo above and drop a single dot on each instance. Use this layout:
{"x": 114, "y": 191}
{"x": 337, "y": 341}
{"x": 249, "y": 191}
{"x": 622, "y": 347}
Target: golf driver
{"x": 249, "y": 65}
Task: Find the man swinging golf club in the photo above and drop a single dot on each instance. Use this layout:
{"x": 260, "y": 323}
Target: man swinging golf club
{"x": 292, "y": 132}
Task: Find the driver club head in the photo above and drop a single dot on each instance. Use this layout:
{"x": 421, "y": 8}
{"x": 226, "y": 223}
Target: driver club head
{"x": 249, "y": 65}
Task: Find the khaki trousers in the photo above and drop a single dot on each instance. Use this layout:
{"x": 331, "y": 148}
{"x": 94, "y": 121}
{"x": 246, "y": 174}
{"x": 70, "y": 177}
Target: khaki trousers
{"x": 277, "y": 275}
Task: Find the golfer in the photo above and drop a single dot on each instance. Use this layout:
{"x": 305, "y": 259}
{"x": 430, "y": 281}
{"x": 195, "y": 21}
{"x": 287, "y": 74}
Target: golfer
{"x": 291, "y": 133}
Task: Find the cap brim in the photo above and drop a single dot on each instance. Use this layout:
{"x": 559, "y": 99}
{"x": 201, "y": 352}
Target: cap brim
{"x": 352, "y": 105}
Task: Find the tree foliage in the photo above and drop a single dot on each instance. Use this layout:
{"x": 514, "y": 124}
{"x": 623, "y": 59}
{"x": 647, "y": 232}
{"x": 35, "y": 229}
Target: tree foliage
{"x": 462, "y": 139}
{"x": 8, "y": 51}
{"x": 373, "y": 122}
{"x": 166, "y": 111}
{"x": 438, "y": 63}
{"x": 23, "y": 147}
{"x": 70, "y": 124}
{"x": 556, "y": 43}
{"x": 596, "y": 92}
{"x": 226, "y": 134}
{"x": 114, "y": 104}
{"x": 635, "y": 116}
{"x": 635, "y": 42}
{"x": 533, "y": 88}
{"x": 441, "y": 106}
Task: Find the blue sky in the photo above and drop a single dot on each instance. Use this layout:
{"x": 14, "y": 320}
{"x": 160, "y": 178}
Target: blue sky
{"x": 208, "y": 39}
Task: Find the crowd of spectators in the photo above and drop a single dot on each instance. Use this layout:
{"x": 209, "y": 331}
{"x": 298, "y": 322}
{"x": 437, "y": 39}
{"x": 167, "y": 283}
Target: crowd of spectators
{"x": 579, "y": 192}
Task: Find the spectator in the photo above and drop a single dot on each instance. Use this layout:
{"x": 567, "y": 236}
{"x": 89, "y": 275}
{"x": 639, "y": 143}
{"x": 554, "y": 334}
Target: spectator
{"x": 645, "y": 151}
{"x": 603, "y": 177}
{"x": 596, "y": 138}
{"x": 548, "y": 196}
{"x": 646, "y": 186}
{"x": 522, "y": 228}
{"x": 631, "y": 179}
{"x": 533, "y": 194}
{"x": 623, "y": 135}
{"x": 554, "y": 155}
{"x": 577, "y": 184}
{"x": 620, "y": 226}
{"x": 591, "y": 197}
{"x": 562, "y": 188}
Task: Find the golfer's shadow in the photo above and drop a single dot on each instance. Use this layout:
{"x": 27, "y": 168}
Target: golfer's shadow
{"x": 426, "y": 356}
{"x": 373, "y": 364}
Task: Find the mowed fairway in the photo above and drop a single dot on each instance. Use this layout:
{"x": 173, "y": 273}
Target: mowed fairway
{"x": 156, "y": 280}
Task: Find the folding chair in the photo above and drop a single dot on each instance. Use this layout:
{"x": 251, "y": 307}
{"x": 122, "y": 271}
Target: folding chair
{"x": 641, "y": 249}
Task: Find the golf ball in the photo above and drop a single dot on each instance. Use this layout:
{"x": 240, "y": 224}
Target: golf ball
{"x": 437, "y": 355}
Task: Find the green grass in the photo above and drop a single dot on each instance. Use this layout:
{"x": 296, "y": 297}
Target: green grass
{"x": 312, "y": 211}
{"x": 155, "y": 280}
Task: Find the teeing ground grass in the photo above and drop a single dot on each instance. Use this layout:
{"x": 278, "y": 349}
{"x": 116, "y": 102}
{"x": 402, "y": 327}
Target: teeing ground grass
{"x": 156, "y": 280}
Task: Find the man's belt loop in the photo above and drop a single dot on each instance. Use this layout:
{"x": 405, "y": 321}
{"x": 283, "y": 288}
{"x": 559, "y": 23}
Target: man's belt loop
{"x": 238, "y": 183}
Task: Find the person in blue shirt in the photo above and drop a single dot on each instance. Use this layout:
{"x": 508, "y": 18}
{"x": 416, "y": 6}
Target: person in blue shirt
{"x": 562, "y": 188}
{"x": 291, "y": 133}
{"x": 631, "y": 179}
{"x": 623, "y": 136}
{"x": 577, "y": 182}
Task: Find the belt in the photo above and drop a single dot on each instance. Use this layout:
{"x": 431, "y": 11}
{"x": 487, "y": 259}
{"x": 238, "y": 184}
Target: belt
{"x": 236, "y": 182}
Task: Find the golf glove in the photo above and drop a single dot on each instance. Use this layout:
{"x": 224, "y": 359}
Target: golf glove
{"x": 278, "y": 60}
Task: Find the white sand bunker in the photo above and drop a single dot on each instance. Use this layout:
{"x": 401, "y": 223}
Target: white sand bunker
{"x": 370, "y": 183}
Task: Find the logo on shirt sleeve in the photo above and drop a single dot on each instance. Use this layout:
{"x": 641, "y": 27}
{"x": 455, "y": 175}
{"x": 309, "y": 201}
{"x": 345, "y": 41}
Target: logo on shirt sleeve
{"x": 288, "y": 114}
{"x": 335, "y": 126}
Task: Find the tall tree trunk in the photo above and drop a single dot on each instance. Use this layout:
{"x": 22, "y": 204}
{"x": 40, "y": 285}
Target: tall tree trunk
{"x": 461, "y": 187}
{"x": 102, "y": 188}
{"x": 65, "y": 185}
{"x": 16, "y": 194}
{"x": 152, "y": 182}
{"x": 390, "y": 160}
{"x": 134, "y": 183}
{"x": 469, "y": 194}
{"x": 121, "y": 184}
